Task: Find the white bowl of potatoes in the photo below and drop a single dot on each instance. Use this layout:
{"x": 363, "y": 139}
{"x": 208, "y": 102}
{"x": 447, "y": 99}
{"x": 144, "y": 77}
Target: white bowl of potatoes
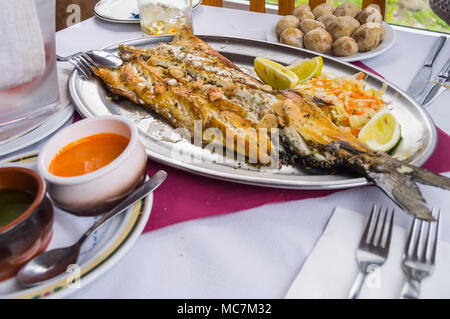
{"x": 345, "y": 32}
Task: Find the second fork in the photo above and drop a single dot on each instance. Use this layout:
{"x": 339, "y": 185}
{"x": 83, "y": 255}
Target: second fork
{"x": 419, "y": 257}
{"x": 374, "y": 246}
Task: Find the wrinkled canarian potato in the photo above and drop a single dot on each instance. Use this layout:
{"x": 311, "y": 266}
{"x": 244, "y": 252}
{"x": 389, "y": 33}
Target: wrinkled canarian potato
{"x": 370, "y": 14}
{"x": 310, "y": 24}
{"x": 345, "y": 46}
{"x": 318, "y": 40}
{"x": 368, "y": 36}
{"x": 305, "y": 15}
{"x": 347, "y": 9}
{"x": 322, "y": 9}
{"x": 376, "y": 6}
{"x": 292, "y": 36}
{"x": 342, "y": 27}
{"x": 382, "y": 33}
{"x": 301, "y": 9}
{"x": 327, "y": 19}
{"x": 286, "y": 22}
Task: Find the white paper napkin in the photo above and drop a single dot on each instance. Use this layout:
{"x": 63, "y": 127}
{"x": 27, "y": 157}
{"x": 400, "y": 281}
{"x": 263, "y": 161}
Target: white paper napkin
{"x": 22, "y": 56}
{"x": 63, "y": 78}
{"x": 331, "y": 268}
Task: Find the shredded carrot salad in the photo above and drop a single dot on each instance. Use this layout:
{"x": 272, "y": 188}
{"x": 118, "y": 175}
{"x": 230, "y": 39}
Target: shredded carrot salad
{"x": 352, "y": 105}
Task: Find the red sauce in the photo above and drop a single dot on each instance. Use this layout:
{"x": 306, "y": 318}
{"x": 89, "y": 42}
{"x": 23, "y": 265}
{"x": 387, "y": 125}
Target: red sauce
{"x": 88, "y": 154}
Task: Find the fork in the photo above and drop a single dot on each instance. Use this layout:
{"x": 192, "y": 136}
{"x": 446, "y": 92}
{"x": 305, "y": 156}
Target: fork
{"x": 82, "y": 62}
{"x": 374, "y": 246}
{"x": 419, "y": 255}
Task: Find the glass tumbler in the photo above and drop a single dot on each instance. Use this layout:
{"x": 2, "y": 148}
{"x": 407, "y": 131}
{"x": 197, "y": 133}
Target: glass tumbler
{"x": 29, "y": 98}
{"x": 164, "y": 16}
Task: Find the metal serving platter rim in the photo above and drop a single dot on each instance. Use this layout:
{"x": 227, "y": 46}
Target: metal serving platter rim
{"x": 241, "y": 175}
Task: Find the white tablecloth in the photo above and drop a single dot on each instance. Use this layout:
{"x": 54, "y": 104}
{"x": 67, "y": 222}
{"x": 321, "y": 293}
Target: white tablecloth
{"x": 255, "y": 253}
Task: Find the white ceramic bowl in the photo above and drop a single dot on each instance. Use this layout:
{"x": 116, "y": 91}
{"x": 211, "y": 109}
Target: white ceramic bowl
{"x": 96, "y": 192}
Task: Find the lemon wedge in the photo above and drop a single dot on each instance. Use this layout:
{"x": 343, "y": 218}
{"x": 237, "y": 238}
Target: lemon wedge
{"x": 275, "y": 74}
{"x": 381, "y": 133}
{"x": 307, "y": 69}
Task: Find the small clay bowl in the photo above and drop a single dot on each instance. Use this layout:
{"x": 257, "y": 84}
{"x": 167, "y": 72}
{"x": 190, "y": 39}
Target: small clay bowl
{"x": 30, "y": 233}
{"x": 96, "y": 192}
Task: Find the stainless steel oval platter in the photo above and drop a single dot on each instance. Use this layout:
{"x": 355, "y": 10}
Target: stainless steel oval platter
{"x": 165, "y": 145}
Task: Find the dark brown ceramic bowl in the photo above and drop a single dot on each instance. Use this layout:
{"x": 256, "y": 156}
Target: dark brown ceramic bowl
{"x": 30, "y": 233}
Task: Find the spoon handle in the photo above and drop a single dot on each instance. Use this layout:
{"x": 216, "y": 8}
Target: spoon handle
{"x": 142, "y": 191}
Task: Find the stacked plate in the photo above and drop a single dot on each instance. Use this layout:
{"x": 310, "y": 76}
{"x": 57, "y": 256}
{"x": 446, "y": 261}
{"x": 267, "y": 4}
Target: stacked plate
{"x": 123, "y": 11}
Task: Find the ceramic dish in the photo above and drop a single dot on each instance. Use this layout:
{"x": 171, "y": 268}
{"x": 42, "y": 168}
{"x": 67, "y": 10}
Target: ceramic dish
{"x": 388, "y": 42}
{"x": 97, "y": 191}
{"x": 36, "y": 221}
{"x": 162, "y": 142}
{"x": 101, "y": 251}
{"x": 123, "y": 11}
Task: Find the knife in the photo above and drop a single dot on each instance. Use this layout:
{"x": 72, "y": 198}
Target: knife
{"x": 434, "y": 90}
{"x": 420, "y": 81}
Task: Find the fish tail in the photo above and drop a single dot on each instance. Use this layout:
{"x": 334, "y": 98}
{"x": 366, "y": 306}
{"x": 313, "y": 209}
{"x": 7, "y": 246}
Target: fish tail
{"x": 402, "y": 189}
{"x": 426, "y": 177}
{"x": 398, "y": 180}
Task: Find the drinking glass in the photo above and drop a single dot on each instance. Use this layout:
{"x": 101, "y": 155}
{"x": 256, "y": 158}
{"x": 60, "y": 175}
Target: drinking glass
{"x": 27, "y": 105}
{"x": 164, "y": 16}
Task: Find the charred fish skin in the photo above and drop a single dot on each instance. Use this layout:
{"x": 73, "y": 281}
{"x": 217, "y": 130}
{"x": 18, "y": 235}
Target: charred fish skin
{"x": 187, "y": 80}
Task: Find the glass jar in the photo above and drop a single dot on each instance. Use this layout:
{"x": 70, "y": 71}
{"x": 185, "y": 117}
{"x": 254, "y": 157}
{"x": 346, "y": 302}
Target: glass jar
{"x": 30, "y": 93}
{"x": 164, "y": 16}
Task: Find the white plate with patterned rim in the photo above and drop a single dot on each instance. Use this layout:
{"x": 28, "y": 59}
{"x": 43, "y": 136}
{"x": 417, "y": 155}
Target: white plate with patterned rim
{"x": 386, "y": 44}
{"x": 99, "y": 253}
{"x": 123, "y": 11}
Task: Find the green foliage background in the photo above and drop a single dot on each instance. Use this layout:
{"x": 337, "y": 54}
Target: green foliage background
{"x": 425, "y": 19}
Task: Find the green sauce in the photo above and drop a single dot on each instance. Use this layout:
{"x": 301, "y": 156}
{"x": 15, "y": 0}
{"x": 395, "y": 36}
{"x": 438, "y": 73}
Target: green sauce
{"x": 13, "y": 203}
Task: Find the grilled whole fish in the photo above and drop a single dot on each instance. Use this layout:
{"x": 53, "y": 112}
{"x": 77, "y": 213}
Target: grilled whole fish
{"x": 186, "y": 81}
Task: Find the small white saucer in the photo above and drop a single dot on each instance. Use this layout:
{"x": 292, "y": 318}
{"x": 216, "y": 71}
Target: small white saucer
{"x": 123, "y": 11}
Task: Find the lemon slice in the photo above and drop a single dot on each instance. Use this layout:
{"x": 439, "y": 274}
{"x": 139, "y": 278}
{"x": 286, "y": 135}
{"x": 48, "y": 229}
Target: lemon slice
{"x": 381, "y": 133}
{"x": 274, "y": 74}
{"x": 307, "y": 69}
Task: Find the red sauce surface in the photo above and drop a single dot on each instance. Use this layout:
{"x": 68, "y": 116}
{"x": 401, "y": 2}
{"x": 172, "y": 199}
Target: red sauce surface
{"x": 88, "y": 154}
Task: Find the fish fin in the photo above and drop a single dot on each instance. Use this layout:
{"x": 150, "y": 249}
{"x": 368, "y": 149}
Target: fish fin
{"x": 403, "y": 191}
{"x": 426, "y": 177}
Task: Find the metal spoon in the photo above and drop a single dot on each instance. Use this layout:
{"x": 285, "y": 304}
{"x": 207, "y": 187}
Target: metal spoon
{"x": 105, "y": 59}
{"x": 54, "y": 262}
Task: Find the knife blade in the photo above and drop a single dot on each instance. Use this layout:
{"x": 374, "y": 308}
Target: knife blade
{"x": 435, "y": 89}
{"x": 420, "y": 80}
{"x": 434, "y": 93}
